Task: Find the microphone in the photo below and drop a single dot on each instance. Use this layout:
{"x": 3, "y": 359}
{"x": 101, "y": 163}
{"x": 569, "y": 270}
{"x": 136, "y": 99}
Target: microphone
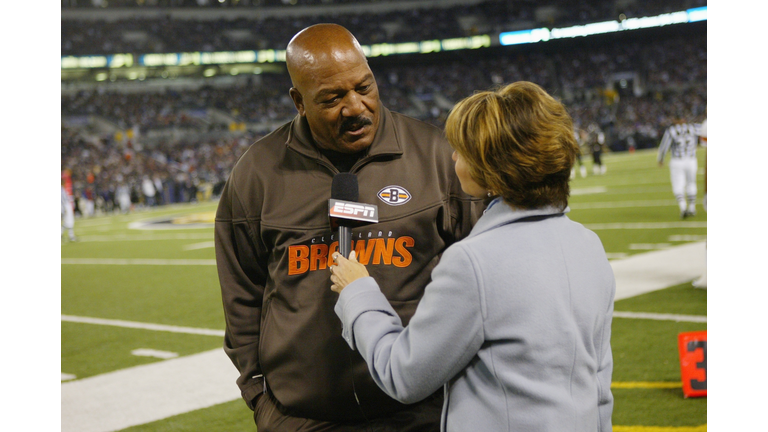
{"x": 345, "y": 212}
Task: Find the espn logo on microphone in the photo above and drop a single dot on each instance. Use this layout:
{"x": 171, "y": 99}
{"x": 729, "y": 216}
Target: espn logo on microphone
{"x": 352, "y": 210}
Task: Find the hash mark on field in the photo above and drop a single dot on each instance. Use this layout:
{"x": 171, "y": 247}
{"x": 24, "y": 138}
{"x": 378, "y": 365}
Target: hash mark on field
{"x": 147, "y": 352}
{"x": 203, "y": 245}
{"x": 143, "y": 326}
{"x": 588, "y": 191}
{"x": 660, "y": 317}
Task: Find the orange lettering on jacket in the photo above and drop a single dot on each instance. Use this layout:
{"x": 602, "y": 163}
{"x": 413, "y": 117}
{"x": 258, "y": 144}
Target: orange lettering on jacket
{"x": 318, "y": 258}
{"x": 375, "y": 251}
{"x": 298, "y": 259}
{"x": 401, "y": 246}
{"x": 383, "y": 251}
{"x": 364, "y": 250}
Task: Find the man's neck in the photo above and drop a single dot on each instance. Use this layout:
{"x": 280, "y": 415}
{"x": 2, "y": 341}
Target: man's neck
{"x": 343, "y": 161}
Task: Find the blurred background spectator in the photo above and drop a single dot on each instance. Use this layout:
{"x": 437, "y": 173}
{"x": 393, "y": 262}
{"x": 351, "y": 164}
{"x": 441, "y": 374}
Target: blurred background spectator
{"x": 180, "y": 141}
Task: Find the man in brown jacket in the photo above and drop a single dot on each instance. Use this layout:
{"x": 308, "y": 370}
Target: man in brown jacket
{"x": 274, "y": 240}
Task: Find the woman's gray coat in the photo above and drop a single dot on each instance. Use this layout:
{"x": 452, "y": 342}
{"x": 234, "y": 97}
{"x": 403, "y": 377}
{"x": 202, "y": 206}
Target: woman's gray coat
{"x": 516, "y": 324}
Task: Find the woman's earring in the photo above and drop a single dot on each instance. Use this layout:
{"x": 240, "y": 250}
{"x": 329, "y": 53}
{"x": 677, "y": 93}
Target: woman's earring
{"x": 489, "y": 194}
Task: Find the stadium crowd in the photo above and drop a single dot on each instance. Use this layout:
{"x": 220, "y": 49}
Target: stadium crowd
{"x": 595, "y": 81}
{"x": 160, "y": 33}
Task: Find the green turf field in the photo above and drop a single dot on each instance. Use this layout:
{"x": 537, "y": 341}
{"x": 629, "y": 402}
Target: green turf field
{"x": 168, "y": 277}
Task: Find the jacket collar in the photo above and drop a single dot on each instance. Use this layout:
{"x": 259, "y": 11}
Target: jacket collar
{"x": 498, "y": 213}
{"x": 385, "y": 142}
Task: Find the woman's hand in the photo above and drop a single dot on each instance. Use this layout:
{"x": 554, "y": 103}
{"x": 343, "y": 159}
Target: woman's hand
{"x": 345, "y": 271}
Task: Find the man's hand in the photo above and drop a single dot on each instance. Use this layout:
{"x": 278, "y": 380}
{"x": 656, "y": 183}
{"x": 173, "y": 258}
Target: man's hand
{"x": 345, "y": 271}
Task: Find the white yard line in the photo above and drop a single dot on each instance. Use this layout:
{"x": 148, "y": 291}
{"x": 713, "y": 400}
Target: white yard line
{"x": 143, "y": 326}
{"x": 660, "y": 317}
{"x": 623, "y": 204}
{"x": 139, "y": 261}
{"x": 145, "y": 237}
{"x": 646, "y": 225}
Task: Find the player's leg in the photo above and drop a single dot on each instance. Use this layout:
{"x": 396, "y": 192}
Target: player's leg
{"x": 691, "y": 168}
{"x": 69, "y": 224}
{"x": 677, "y": 177}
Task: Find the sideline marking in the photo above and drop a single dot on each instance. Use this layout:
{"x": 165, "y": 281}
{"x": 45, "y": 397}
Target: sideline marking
{"x": 120, "y": 261}
{"x": 660, "y": 317}
{"x": 616, "y": 255}
{"x": 702, "y": 428}
{"x": 142, "y": 394}
{"x": 646, "y": 385}
{"x": 142, "y": 326}
{"x": 148, "y": 352}
{"x": 67, "y": 377}
{"x": 651, "y": 271}
{"x": 649, "y": 246}
{"x": 647, "y": 225}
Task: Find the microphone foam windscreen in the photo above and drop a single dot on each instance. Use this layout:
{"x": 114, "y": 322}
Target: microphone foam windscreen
{"x": 344, "y": 187}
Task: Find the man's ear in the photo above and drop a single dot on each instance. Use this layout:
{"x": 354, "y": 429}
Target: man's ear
{"x": 298, "y": 100}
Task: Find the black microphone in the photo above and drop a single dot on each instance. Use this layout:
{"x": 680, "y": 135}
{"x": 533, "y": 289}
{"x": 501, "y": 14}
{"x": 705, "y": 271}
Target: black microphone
{"x": 345, "y": 212}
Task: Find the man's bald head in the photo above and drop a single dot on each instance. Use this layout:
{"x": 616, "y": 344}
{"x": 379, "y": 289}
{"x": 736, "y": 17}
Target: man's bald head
{"x": 318, "y": 45}
{"x": 333, "y": 88}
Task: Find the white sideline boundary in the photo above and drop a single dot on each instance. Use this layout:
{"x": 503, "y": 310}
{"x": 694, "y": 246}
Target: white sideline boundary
{"x": 143, "y": 394}
{"x": 651, "y": 271}
{"x": 147, "y": 393}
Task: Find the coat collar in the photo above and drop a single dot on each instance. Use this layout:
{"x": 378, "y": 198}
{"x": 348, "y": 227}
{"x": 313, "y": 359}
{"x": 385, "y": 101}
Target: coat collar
{"x": 385, "y": 142}
{"x": 498, "y": 213}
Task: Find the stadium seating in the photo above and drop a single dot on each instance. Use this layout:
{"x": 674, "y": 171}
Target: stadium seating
{"x": 187, "y": 136}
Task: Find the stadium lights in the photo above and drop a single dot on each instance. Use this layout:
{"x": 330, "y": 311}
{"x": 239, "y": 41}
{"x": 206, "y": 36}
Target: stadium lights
{"x": 127, "y": 61}
{"x": 545, "y": 34}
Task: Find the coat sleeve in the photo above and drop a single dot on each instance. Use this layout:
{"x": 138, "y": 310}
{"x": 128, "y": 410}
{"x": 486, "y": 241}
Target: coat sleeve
{"x": 605, "y": 370}
{"x": 242, "y": 276}
{"x": 441, "y": 339}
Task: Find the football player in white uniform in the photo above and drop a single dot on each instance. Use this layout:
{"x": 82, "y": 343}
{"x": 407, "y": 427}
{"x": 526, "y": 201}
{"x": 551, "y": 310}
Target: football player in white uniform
{"x": 680, "y": 140}
{"x": 67, "y": 213}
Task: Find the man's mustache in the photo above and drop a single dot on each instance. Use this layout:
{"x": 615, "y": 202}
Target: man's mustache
{"x": 353, "y": 123}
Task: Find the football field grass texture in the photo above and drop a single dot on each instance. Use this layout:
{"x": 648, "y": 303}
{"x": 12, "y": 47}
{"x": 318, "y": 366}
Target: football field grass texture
{"x": 155, "y": 269}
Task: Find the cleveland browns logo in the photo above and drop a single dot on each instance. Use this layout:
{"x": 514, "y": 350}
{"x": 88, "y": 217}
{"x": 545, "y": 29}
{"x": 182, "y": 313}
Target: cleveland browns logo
{"x": 394, "y": 195}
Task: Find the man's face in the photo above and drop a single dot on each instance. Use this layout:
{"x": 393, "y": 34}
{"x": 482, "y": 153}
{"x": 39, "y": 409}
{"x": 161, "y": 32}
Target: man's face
{"x": 340, "y": 101}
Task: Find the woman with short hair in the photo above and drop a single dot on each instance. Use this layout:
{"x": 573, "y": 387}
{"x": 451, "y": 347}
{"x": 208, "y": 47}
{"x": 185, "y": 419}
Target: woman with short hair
{"x": 516, "y": 323}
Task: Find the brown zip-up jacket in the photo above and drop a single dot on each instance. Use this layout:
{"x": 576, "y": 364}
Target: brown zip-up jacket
{"x": 273, "y": 239}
